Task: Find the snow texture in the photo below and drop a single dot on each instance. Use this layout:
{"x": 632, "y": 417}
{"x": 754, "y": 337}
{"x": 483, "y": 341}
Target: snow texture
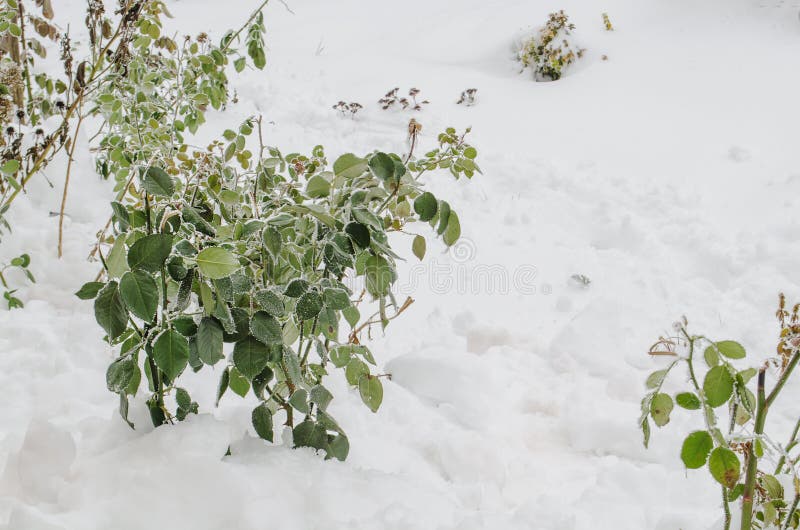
{"x": 664, "y": 174}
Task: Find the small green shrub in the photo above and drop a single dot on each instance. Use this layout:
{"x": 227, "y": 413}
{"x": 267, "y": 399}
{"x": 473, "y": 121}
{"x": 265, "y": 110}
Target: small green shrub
{"x": 229, "y": 245}
{"x": 19, "y": 263}
{"x": 736, "y": 447}
{"x": 549, "y": 52}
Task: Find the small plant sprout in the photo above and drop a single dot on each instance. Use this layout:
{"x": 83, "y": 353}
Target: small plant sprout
{"x": 348, "y": 108}
{"x": 20, "y": 263}
{"x": 607, "y": 22}
{"x": 391, "y": 99}
{"x": 735, "y": 444}
{"x": 468, "y": 97}
{"x": 549, "y": 51}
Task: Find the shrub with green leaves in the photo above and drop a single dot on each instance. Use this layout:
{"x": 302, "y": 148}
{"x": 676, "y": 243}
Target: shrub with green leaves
{"x": 734, "y": 446}
{"x": 548, "y": 52}
{"x": 253, "y": 249}
{"x": 20, "y": 263}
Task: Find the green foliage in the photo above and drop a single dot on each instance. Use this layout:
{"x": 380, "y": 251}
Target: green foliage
{"x": 549, "y": 52}
{"x": 21, "y": 264}
{"x": 252, "y": 247}
{"x": 733, "y": 448}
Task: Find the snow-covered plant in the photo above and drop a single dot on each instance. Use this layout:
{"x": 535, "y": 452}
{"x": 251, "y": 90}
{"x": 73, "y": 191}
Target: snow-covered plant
{"x": 750, "y": 466}
{"x": 351, "y": 108}
{"x": 607, "y": 22}
{"x": 19, "y": 263}
{"x": 251, "y": 247}
{"x": 393, "y": 98}
{"x": 468, "y": 97}
{"x": 548, "y": 52}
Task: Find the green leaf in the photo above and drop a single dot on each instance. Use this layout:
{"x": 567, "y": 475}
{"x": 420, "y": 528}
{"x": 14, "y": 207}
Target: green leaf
{"x": 310, "y": 434}
{"x": 223, "y": 385}
{"x": 321, "y": 396}
{"x": 731, "y": 349}
{"x": 157, "y": 182}
{"x": 309, "y": 305}
{"x": 453, "y": 230}
{"x": 724, "y": 466}
{"x": 110, "y": 312}
{"x": 655, "y": 379}
{"x": 382, "y": 166}
{"x": 183, "y": 399}
{"x": 336, "y": 298}
{"x": 272, "y": 240}
{"x": 217, "y": 263}
{"x": 193, "y": 217}
{"x": 359, "y": 233}
{"x": 299, "y": 400}
{"x": 444, "y": 217}
{"x": 262, "y": 422}
{"x": 10, "y": 167}
{"x": 660, "y": 409}
{"x": 292, "y": 363}
{"x": 238, "y": 383}
{"x": 270, "y": 302}
{"x": 150, "y": 252}
{"x": 116, "y": 259}
{"x": 209, "y": 341}
{"x": 140, "y": 294}
{"x": 250, "y": 356}
{"x": 695, "y": 449}
{"x": 356, "y": 368}
{"x": 119, "y": 374}
{"x": 341, "y": 355}
{"x": 349, "y": 166}
{"x": 711, "y": 357}
{"x": 89, "y": 290}
{"x": 418, "y": 247}
{"x": 718, "y": 386}
{"x": 266, "y": 328}
{"x": 371, "y": 391}
{"x": 688, "y": 400}
{"x": 339, "y": 448}
{"x": 296, "y": 288}
{"x": 379, "y": 276}
{"x": 318, "y": 187}
{"x": 352, "y": 315}
{"x": 171, "y": 353}
{"x": 426, "y": 206}
{"x": 772, "y": 486}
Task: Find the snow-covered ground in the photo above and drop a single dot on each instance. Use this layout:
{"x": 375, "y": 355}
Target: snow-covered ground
{"x": 666, "y": 174}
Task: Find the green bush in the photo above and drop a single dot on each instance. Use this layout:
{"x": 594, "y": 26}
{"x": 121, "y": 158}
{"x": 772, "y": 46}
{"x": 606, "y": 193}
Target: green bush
{"x": 549, "y": 52}
{"x": 736, "y": 448}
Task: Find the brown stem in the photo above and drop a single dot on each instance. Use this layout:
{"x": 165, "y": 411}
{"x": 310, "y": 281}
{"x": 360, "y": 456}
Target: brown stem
{"x": 70, "y": 159}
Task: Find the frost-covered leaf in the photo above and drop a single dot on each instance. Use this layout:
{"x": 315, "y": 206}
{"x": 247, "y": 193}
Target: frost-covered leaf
{"x": 209, "y": 341}
{"x": 262, "y": 422}
{"x": 110, "y": 311}
{"x": 217, "y": 262}
{"x": 171, "y": 353}
{"x": 150, "y": 252}
{"x": 140, "y": 294}
{"x": 250, "y": 356}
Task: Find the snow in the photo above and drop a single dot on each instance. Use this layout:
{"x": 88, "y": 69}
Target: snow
{"x": 664, "y": 174}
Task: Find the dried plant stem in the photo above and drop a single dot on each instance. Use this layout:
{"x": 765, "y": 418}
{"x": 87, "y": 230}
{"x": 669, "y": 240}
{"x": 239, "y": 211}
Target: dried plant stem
{"x": 70, "y": 160}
